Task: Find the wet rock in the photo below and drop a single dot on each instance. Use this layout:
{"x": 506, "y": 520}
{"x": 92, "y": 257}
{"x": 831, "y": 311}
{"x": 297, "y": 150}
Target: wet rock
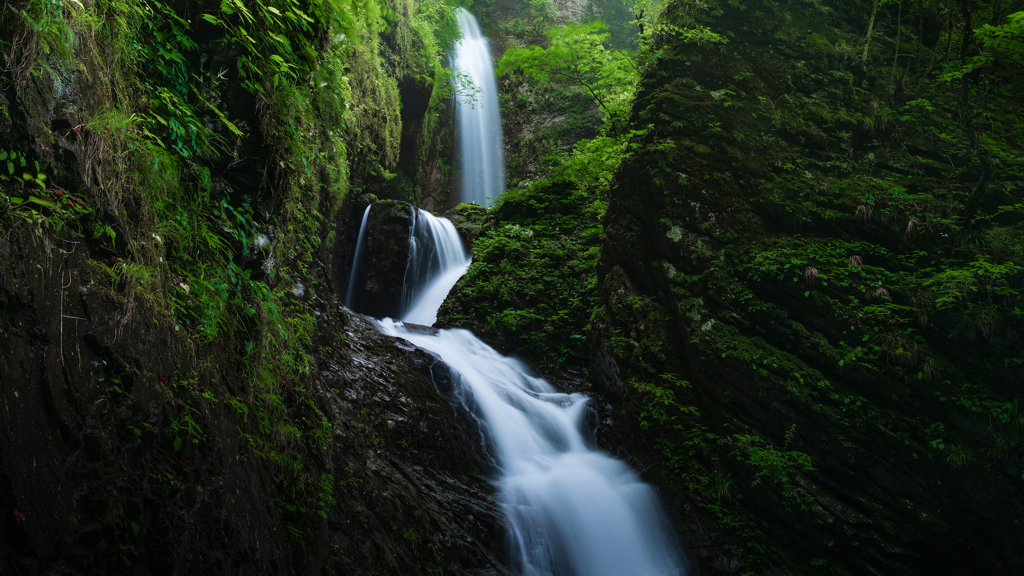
{"x": 88, "y": 456}
{"x": 383, "y": 260}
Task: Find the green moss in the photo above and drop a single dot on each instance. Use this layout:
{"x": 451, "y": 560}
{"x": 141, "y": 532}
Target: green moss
{"x": 789, "y": 218}
{"x": 531, "y": 285}
{"x": 218, "y": 150}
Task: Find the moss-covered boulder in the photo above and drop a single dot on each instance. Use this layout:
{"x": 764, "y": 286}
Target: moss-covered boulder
{"x": 468, "y": 219}
{"x": 530, "y": 287}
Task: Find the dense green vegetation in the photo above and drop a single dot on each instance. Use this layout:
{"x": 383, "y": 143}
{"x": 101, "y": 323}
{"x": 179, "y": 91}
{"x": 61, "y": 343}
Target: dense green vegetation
{"x": 219, "y": 139}
{"x": 531, "y": 285}
{"x": 841, "y": 232}
{"x": 785, "y": 240}
{"x": 812, "y": 265}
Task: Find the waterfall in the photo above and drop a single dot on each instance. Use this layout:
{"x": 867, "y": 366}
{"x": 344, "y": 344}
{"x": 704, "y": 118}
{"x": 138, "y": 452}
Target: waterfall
{"x": 354, "y": 277}
{"x": 437, "y": 259}
{"x": 570, "y": 508}
{"x": 477, "y": 118}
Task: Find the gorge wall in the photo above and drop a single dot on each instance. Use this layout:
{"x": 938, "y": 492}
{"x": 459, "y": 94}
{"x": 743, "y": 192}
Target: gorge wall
{"x": 807, "y": 324}
{"x": 184, "y": 391}
{"x": 786, "y": 242}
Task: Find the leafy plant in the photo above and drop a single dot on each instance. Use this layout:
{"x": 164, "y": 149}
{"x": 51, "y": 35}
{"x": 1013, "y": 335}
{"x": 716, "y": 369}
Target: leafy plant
{"x": 578, "y": 54}
{"x": 780, "y": 466}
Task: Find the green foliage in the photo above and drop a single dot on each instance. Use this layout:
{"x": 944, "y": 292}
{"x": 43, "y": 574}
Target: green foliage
{"x": 659, "y": 401}
{"x": 1001, "y": 45}
{"x": 38, "y": 36}
{"x": 531, "y": 284}
{"x": 977, "y": 281}
{"x": 593, "y": 161}
{"x": 37, "y": 200}
{"x": 1006, "y": 40}
{"x": 577, "y": 54}
{"x": 778, "y": 466}
{"x": 280, "y": 41}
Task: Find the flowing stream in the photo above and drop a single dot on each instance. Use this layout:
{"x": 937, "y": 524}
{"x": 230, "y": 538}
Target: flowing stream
{"x": 477, "y": 117}
{"x": 570, "y": 509}
{"x": 437, "y": 260}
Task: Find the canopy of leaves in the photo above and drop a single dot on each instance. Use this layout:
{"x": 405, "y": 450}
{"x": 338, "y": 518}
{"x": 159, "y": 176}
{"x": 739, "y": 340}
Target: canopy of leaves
{"x": 578, "y": 54}
{"x": 1005, "y": 41}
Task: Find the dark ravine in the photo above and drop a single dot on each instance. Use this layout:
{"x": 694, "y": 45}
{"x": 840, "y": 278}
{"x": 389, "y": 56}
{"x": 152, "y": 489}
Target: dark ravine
{"x": 752, "y": 303}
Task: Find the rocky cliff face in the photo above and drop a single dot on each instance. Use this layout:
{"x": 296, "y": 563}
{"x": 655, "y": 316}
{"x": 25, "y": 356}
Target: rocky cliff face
{"x": 806, "y": 321}
{"x": 184, "y": 391}
{"x": 777, "y": 308}
{"x": 124, "y": 451}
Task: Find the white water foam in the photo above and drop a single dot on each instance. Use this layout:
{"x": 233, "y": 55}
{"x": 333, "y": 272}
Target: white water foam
{"x": 437, "y": 259}
{"x": 571, "y": 509}
{"x": 478, "y": 120}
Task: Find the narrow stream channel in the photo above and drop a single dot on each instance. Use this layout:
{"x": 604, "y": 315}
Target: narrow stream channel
{"x": 570, "y": 509}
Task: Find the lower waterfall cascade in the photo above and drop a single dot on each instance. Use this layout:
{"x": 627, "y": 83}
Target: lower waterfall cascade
{"x": 569, "y": 508}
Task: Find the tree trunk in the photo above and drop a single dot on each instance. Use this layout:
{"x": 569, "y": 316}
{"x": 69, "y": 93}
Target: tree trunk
{"x": 949, "y": 39}
{"x": 947, "y": 27}
{"x": 871, "y": 26}
{"x": 965, "y": 44}
{"x": 899, "y": 36}
{"x": 920, "y": 33}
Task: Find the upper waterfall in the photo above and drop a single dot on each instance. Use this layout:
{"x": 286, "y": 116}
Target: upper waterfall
{"x": 477, "y": 117}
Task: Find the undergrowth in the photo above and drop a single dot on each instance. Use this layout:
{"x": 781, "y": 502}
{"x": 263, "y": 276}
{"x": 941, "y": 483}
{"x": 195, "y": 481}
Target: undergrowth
{"x": 217, "y": 141}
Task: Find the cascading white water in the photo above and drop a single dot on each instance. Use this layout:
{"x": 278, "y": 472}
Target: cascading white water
{"x": 357, "y": 269}
{"x": 571, "y": 509}
{"x": 477, "y": 117}
{"x": 437, "y": 260}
